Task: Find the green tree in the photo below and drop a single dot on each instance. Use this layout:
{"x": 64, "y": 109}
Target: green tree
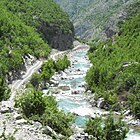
{"x": 62, "y": 63}
{"x": 107, "y": 128}
{"x": 32, "y": 103}
{"x": 48, "y": 70}
{"x": 44, "y": 109}
{"x": 134, "y": 103}
{"x": 35, "y": 80}
{"x": 4, "y": 91}
{"x": 116, "y": 64}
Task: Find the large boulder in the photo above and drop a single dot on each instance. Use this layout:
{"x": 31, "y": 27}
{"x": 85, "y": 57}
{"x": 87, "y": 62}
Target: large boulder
{"x": 21, "y": 122}
{"x": 101, "y": 103}
{"x": 6, "y": 107}
{"x": 81, "y": 136}
{"x": 4, "y": 110}
{"x": 17, "y": 116}
{"x": 49, "y": 131}
{"x": 54, "y": 83}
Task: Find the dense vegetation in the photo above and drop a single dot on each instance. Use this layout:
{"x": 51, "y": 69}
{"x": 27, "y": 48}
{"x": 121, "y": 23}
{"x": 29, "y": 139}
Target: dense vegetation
{"x": 20, "y": 34}
{"x": 47, "y": 17}
{"x": 106, "y": 128}
{"x": 115, "y": 74}
{"x": 18, "y": 29}
{"x": 37, "y": 107}
{"x": 18, "y": 40}
{"x": 4, "y": 90}
{"x": 47, "y": 71}
{"x": 34, "y": 12}
{"x": 50, "y": 67}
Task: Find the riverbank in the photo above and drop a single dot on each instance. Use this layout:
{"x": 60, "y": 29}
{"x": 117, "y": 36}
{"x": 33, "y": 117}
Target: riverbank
{"x": 68, "y": 87}
{"x": 70, "y": 90}
{"x": 12, "y": 121}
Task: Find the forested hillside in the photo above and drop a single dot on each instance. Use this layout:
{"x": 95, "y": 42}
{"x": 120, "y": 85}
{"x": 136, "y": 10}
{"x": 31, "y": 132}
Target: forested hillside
{"x": 115, "y": 74}
{"x": 92, "y": 17}
{"x": 47, "y": 17}
{"x": 29, "y": 27}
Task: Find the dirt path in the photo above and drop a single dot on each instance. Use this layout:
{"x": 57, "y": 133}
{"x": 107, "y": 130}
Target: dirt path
{"x": 16, "y": 85}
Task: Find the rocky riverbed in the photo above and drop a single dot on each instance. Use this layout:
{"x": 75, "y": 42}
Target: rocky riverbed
{"x": 12, "y": 123}
{"x": 69, "y": 87}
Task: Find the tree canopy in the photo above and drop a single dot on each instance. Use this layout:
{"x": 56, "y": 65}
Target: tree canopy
{"x": 115, "y": 74}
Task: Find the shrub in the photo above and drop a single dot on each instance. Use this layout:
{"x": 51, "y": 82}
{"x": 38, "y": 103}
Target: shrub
{"x": 37, "y": 107}
{"x": 134, "y": 103}
{"x": 4, "y": 91}
{"x": 32, "y": 103}
{"x": 107, "y": 128}
{"x": 35, "y": 80}
{"x": 48, "y": 70}
{"x": 62, "y": 64}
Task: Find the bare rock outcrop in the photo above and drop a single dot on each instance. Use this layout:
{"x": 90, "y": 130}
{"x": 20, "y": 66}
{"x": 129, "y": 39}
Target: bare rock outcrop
{"x": 56, "y": 37}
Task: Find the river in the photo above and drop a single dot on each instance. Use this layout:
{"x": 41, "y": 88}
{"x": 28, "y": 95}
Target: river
{"x": 70, "y": 97}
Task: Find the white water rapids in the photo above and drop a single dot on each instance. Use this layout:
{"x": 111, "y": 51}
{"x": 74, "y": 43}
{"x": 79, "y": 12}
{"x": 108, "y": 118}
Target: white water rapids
{"x": 73, "y": 78}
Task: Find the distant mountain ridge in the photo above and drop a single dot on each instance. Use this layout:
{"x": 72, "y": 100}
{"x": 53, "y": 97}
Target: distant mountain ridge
{"x": 90, "y": 17}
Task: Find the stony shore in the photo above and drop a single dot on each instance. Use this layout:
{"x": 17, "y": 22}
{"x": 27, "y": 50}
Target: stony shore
{"x": 12, "y": 121}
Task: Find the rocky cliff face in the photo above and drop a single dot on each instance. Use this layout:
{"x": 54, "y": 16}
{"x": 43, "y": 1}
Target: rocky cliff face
{"x": 91, "y": 17}
{"x": 56, "y": 37}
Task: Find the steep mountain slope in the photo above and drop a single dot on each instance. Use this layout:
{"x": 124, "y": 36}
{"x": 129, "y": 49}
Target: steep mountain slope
{"x": 91, "y": 16}
{"x": 25, "y": 28}
{"x": 115, "y": 74}
{"x": 47, "y": 17}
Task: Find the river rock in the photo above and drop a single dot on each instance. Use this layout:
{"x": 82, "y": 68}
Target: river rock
{"x": 64, "y": 88}
{"x": 6, "y": 107}
{"x": 53, "y": 82}
{"x": 8, "y": 104}
{"x": 5, "y": 110}
{"x": 70, "y": 78}
{"x": 49, "y": 131}
{"x": 117, "y": 107}
{"x": 80, "y": 136}
{"x": 93, "y": 102}
{"x": 78, "y": 70}
{"x": 63, "y": 78}
{"x": 37, "y": 124}
{"x": 126, "y": 112}
{"x": 75, "y": 92}
{"x": 101, "y": 103}
{"x": 89, "y": 92}
{"x": 135, "y": 122}
{"x": 44, "y": 87}
{"x": 54, "y": 77}
{"x": 21, "y": 121}
{"x": 17, "y": 116}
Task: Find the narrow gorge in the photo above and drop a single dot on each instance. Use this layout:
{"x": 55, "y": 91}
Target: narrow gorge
{"x": 69, "y": 79}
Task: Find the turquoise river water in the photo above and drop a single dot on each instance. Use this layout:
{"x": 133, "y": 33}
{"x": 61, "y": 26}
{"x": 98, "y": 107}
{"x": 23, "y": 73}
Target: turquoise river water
{"x": 77, "y": 103}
